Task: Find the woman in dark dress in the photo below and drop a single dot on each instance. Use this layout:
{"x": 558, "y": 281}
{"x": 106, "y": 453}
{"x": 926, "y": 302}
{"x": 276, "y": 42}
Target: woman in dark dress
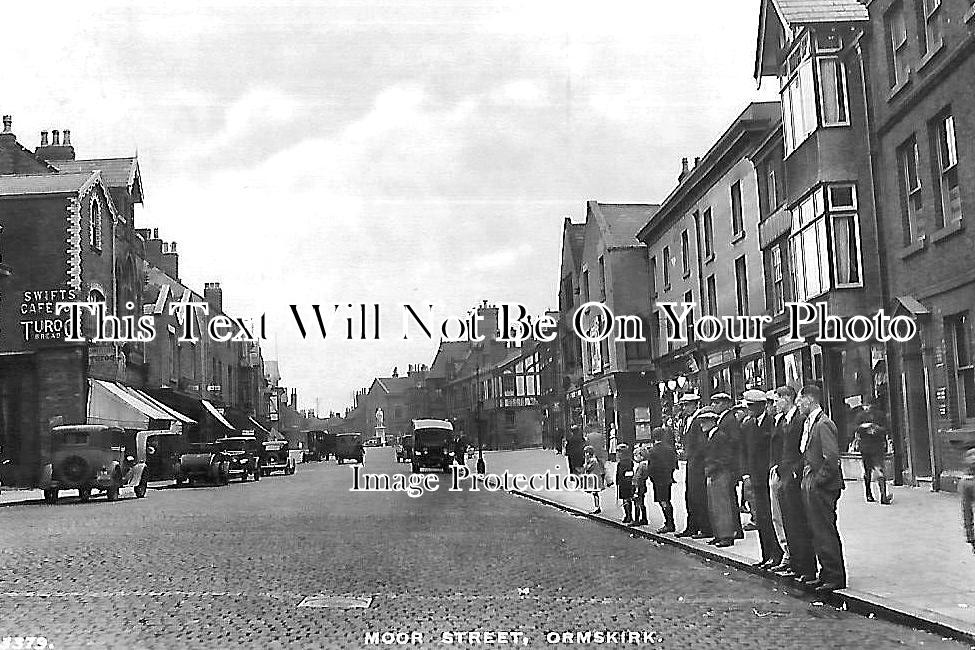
{"x": 624, "y": 480}
{"x": 662, "y": 465}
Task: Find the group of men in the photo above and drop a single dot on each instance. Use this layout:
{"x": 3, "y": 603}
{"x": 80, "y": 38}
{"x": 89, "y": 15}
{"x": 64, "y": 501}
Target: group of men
{"x": 789, "y": 448}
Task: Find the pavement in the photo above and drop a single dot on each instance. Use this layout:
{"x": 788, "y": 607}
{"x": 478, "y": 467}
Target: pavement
{"x": 304, "y": 562}
{"x": 907, "y": 561}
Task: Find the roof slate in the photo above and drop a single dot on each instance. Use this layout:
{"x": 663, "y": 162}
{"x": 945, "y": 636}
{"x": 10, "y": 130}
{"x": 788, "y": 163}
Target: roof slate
{"x": 802, "y": 12}
{"x": 624, "y": 221}
{"x": 31, "y": 184}
{"x": 116, "y": 172}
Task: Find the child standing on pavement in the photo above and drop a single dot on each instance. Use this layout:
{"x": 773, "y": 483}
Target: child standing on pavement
{"x": 663, "y": 462}
{"x": 595, "y": 468}
{"x": 641, "y": 471}
{"x": 624, "y": 480}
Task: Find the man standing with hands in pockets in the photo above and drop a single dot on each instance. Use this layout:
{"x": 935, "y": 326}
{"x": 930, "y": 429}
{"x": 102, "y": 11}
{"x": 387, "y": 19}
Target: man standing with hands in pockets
{"x": 822, "y": 482}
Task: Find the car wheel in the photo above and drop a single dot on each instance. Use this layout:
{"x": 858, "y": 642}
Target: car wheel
{"x": 51, "y": 496}
{"x": 140, "y": 489}
{"x": 84, "y": 493}
{"x": 111, "y": 494}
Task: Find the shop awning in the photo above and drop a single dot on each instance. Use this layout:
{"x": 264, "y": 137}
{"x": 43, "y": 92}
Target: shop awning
{"x": 217, "y": 415}
{"x": 117, "y": 405}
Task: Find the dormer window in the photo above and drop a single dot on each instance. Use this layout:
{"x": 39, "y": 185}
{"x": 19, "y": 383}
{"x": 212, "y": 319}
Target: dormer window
{"x": 95, "y": 225}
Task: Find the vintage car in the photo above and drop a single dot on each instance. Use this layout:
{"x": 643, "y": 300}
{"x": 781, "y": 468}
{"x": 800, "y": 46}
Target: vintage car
{"x": 276, "y": 457}
{"x": 203, "y": 461}
{"x": 348, "y": 446}
{"x": 404, "y": 449}
{"x": 244, "y": 453}
{"x": 89, "y": 457}
{"x": 433, "y": 443}
{"x": 317, "y": 447}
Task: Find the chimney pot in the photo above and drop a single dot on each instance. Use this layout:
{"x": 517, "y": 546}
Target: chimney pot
{"x": 67, "y": 137}
{"x": 697, "y": 160}
{"x": 55, "y": 138}
{"x": 172, "y": 247}
{"x": 8, "y": 122}
{"x": 155, "y": 233}
{"x": 684, "y": 165}
{"x": 43, "y": 138}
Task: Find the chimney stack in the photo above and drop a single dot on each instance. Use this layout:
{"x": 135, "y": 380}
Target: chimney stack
{"x": 213, "y": 294}
{"x": 8, "y": 122}
{"x": 684, "y": 169}
{"x": 57, "y": 150}
{"x": 697, "y": 161}
{"x": 170, "y": 261}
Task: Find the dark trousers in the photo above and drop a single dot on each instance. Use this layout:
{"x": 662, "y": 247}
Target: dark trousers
{"x": 821, "y": 514}
{"x": 722, "y": 509}
{"x": 696, "y": 498}
{"x": 798, "y": 537}
{"x": 761, "y": 506}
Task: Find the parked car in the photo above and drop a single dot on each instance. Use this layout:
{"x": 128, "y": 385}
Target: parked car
{"x": 433, "y": 444}
{"x": 316, "y": 444}
{"x": 328, "y": 445}
{"x": 89, "y": 457}
{"x": 348, "y": 446}
{"x": 404, "y": 449}
{"x": 276, "y": 457}
{"x": 244, "y": 454}
{"x": 203, "y": 461}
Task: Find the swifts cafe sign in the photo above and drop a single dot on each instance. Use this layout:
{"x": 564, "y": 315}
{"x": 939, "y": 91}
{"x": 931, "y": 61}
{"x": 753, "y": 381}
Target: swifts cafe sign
{"x": 40, "y": 320}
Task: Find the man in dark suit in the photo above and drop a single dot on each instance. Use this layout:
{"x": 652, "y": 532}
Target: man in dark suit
{"x": 822, "y": 482}
{"x": 695, "y": 483}
{"x": 731, "y": 428}
{"x": 756, "y": 429}
{"x": 802, "y": 557}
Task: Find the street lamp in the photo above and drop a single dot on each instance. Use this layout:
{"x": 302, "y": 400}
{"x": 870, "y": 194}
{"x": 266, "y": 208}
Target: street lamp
{"x": 479, "y": 468}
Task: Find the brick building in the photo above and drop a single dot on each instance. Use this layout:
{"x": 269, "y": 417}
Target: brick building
{"x": 704, "y": 249}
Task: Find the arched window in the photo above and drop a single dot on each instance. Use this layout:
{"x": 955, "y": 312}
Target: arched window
{"x": 95, "y": 224}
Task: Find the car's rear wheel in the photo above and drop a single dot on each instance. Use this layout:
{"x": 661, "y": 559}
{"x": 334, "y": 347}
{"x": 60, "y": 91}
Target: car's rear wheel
{"x": 51, "y": 496}
{"x": 84, "y": 493}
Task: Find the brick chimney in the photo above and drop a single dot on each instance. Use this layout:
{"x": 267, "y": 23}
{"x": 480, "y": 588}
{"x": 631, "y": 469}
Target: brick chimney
{"x": 8, "y": 122}
{"x": 57, "y": 150}
{"x": 213, "y": 294}
{"x": 170, "y": 260}
{"x": 154, "y": 248}
{"x": 684, "y": 169}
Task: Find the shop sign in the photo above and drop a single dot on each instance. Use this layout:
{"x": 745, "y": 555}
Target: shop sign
{"x": 508, "y": 402}
{"x": 941, "y": 396}
{"x": 39, "y": 319}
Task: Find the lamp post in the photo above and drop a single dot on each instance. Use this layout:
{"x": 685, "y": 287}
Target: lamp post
{"x": 479, "y": 468}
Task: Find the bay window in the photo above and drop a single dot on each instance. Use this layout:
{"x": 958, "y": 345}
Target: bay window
{"x": 814, "y": 90}
{"x": 825, "y": 242}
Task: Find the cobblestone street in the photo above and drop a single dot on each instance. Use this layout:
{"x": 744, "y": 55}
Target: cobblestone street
{"x": 228, "y": 567}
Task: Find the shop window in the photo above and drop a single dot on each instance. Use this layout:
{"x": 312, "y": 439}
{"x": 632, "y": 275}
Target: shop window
{"x": 912, "y": 201}
{"x": 825, "y": 244}
{"x": 944, "y": 161}
{"x": 895, "y": 24}
{"x": 737, "y": 227}
{"x": 708, "y": 234}
{"x": 507, "y": 384}
{"x": 754, "y": 374}
{"x": 962, "y": 370}
{"x": 816, "y": 363}
{"x": 929, "y": 25}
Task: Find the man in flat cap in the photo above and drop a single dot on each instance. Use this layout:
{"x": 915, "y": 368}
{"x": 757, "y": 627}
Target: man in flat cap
{"x": 698, "y": 525}
{"x": 756, "y": 428}
{"x": 720, "y": 466}
{"x": 728, "y": 422}
{"x": 775, "y": 417}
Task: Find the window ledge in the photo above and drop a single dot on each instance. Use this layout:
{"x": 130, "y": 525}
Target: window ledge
{"x": 911, "y": 249}
{"x": 932, "y": 52}
{"x": 667, "y": 287}
{"x": 947, "y": 231}
{"x": 737, "y": 238}
{"x": 687, "y": 274}
{"x": 709, "y": 258}
{"x": 970, "y": 15}
{"x": 896, "y": 90}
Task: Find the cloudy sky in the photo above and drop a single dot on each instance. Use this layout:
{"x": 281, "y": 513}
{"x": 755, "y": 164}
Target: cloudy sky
{"x": 379, "y": 152}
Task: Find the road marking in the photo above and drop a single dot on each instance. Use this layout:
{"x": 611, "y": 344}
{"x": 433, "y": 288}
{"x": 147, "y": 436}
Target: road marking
{"x": 337, "y": 602}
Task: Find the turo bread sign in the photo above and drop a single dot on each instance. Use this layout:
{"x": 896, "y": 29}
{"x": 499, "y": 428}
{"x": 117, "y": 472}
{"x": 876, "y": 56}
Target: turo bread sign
{"x": 39, "y": 319}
